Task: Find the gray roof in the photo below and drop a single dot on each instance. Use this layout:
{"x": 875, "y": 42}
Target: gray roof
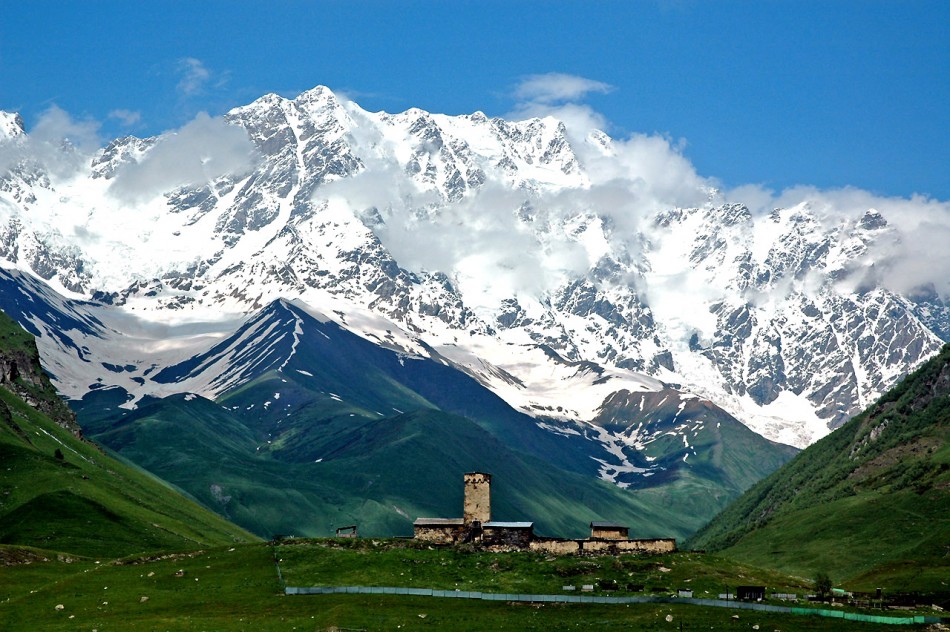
{"x": 439, "y": 522}
{"x": 508, "y": 525}
{"x": 607, "y": 525}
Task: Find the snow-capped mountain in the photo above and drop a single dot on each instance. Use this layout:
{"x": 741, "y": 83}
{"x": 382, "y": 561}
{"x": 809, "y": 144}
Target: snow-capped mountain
{"x": 554, "y": 267}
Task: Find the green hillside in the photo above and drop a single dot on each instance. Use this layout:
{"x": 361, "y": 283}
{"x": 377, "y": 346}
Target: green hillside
{"x": 346, "y": 469}
{"x": 723, "y": 457}
{"x": 331, "y": 430}
{"x": 869, "y": 503}
{"x": 63, "y": 493}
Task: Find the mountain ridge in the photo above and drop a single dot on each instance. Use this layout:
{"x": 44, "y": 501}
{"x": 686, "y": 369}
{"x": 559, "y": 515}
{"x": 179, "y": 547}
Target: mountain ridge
{"x": 778, "y": 318}
{"x": 331, "y": 426}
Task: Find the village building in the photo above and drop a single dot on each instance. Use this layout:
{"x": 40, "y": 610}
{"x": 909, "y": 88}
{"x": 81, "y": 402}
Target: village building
{"x": 750, "y": 593}
{"x": 477, "y": 506}
{"x": 608, "y": 531}
{"x": 348, "y": 532}
{"x": 516, "y": 534}
{"x": 439, "y": 530}
{"x": 476, "y": 526}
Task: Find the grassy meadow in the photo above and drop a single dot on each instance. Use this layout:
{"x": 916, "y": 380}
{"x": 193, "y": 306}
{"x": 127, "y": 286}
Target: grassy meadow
{"x": 238, "y": 588}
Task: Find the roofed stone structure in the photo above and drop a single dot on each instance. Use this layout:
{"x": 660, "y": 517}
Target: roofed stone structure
{"x": 608, "y": 531}
{"x": 476, "y": 526}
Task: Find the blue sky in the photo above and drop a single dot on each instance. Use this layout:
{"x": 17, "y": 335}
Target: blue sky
{"x": 776, "y": 93}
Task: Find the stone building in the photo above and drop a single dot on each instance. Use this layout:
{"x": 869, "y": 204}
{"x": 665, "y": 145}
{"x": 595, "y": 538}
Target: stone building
{"x": 476, "y": 526}
{"x": 477, "y": 506}
{"x": 439, "y": 530}
{"x": 608, "y": 531}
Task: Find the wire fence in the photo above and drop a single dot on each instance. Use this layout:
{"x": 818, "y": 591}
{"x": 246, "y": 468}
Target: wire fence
{"x": 713, "y": 603}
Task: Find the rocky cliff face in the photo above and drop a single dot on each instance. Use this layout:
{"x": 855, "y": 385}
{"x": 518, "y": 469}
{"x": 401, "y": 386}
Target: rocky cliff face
{"x": 22, "y": 374}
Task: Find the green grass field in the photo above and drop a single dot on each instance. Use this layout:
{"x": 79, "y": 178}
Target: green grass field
{"x": 413, "y": 564}
{"x": 237, "y": 588}
{"x": 86, "y": 502}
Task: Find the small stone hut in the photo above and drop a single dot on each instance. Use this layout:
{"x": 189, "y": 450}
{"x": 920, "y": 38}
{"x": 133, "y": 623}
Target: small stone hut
{"x": 439, "y": 530}
{"x": 608, "y": 531}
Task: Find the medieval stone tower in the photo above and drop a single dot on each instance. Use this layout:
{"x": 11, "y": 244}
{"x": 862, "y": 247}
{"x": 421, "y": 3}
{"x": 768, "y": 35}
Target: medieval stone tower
{"x": 477, "y": 506}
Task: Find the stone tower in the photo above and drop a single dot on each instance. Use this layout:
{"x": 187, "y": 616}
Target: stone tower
{"x": 477, "y": 498}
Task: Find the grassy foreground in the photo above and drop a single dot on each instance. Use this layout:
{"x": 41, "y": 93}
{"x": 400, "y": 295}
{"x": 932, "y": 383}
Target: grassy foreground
{"x": 237, "y": 588}
{"x": 415, "y": 565}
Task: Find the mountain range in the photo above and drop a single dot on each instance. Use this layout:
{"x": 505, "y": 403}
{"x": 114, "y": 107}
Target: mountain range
{"x": 557, "y": 291}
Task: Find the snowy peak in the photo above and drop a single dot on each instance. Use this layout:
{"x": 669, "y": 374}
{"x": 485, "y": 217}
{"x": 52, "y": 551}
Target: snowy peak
{"x": 873, "y": 220}
{"x": 11, "y": 126}
{"x": 264, "y": 343}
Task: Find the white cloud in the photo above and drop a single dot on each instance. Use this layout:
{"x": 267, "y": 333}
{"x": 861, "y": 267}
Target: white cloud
{"x": 913, "y": 254}
{"x": 556, "y": 87}
{"x": 127, "y": 118}
{"x": 644, "y": 172}
{"x": 478, "y": 241}
{"x": 194, "y": 76}
{"x": 57, "y": 127}
{"x": 920, "y": 258}
{"x": 58, "y": 142}
{"x": 657, "y": 173}
{"x": 759, "y": 199}
{"x": 482, "y": 244}
{"x": 579, "y": 119}
{"x": 918, "y": 255}
{"x": 558, "y": 95}
{"x": 637, "y": 175}
{"x": 204, "y": 149}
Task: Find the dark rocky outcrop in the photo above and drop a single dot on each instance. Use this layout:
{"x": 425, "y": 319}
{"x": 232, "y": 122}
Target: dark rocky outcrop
{"x": 22, "y": 374}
